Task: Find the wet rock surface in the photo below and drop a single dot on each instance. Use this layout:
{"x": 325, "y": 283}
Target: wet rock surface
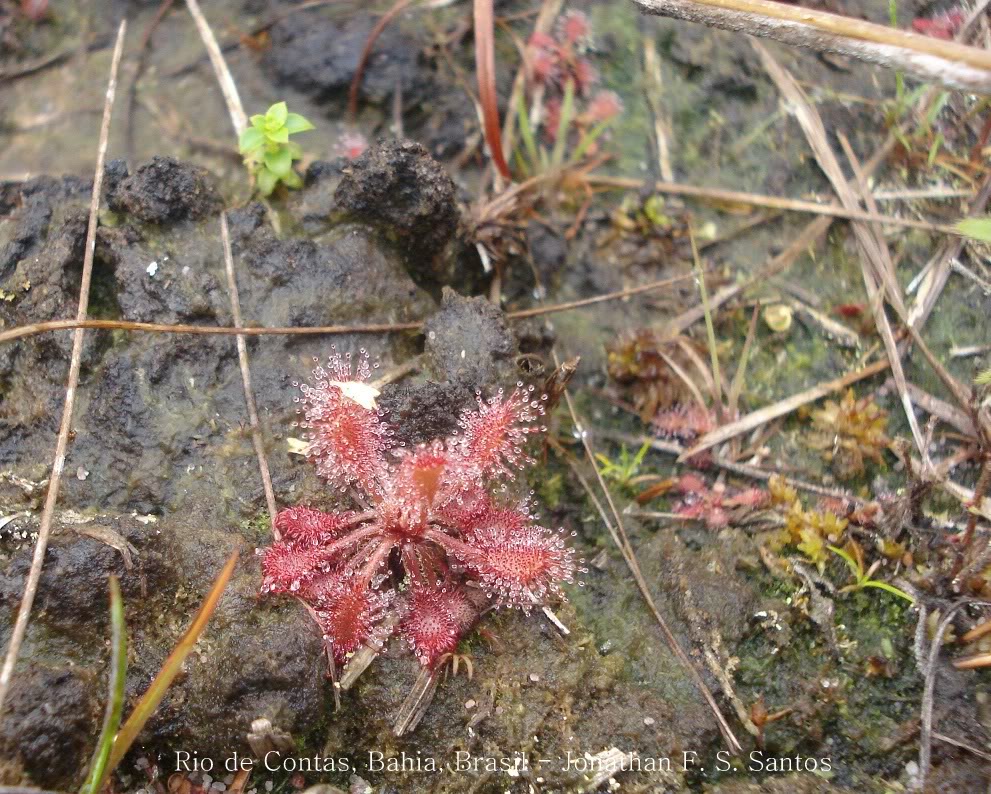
{"x": 318, "y": 56}
{"x": 426, "y": 411}
{"x": 30, "y": 208}
{"x": 164, "y": 285}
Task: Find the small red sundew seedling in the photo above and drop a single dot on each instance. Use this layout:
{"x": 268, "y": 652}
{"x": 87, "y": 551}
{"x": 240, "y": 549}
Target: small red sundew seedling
{"x": 559, "y": 58}
{"x": 714, "y": 505}
{"x": 434, "y": 540}
{"x": 350, "y": 145}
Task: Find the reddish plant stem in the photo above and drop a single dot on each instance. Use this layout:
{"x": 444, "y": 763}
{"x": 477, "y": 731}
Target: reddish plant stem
{"x": 366, "y": 53}
{"x": 350, "y": 539}
{"x": 374, "y": 562}
{"x": 485, "y": 67}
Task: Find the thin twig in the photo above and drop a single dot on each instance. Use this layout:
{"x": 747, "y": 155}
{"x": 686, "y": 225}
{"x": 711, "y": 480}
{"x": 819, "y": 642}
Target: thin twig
{"x": 654, "y": 90}
{"x": 962, "y": 745}
{"x": 781, "y": 408}
{"x": 366, "y": 52}
{"x": 740, "y": 469}
{"x": 937, "y": 271}
{"x": 778, "y": 264}
{"x": 759, "y": 200}
{"x": 139, "y": 70}
{"x": 618, "y": 533}
{"x": 578, "y": 304}
{"x": 227, "y": 87}
{"x": 65, "y": 427}
{"x": 32, "y": 329}
{"x": 929, "y": 690}
{"x": 249, "y": 394}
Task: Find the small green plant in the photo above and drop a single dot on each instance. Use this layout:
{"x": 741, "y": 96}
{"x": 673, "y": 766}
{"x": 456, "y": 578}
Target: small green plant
{"x": 268, "y": 152}
{"x": 622, "y": 471}
{"x": 854, "y": 560}
{"x": 534, "y": 158}
{"x": 116, "y": 739}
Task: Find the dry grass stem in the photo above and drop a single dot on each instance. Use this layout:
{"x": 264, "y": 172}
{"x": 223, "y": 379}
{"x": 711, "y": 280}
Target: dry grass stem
{"x": 877, "y": 266}
{"x": 65, "y": 426}
{"x": 771, "y": 202}
{"x": 934, "y": 60}
{"x": 249, "y": 393}
{"x": 224, "y": 78}
{"x": 781, "y": 408}
{"x": 32, "y": 329}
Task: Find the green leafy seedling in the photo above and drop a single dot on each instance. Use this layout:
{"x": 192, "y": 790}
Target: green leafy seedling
{"x": 268, "y": 152}
{"x": 623, "y": 470}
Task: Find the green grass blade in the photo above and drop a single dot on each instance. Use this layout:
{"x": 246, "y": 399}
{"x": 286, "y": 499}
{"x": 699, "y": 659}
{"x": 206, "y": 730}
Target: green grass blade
{"x": 115, "y": 693}
{"x": 521, "y": 164}
{"x": 936, "y": 109}
{"x": 889, "y": 588}
{"x": 154, "y": 694}
{"x": 588, "y": 139}
{"x": 563, "y": 124}
{"x": 977, "y": 228}
{"x": 710, "y": 327}
{"x": 899, "y": 77}
{"x": 851, "y": 563}
{"x": 526, "y": 132}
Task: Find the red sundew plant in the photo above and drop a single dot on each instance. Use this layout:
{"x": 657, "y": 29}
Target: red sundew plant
{"x": 560, "y": 58}
{"x": 432, "y": 542}
{"x": 940, "y": 26}
{"x": 715, "y": 505}
{"x": 683, "y": 422}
